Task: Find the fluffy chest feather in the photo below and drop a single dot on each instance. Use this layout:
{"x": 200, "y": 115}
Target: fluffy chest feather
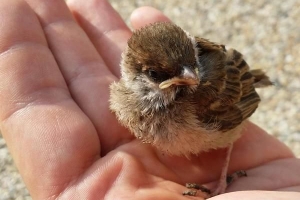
{"x": 175, "y": 129}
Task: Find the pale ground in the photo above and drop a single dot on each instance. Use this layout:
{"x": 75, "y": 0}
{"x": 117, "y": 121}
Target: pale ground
{"x": 268, "y": 34}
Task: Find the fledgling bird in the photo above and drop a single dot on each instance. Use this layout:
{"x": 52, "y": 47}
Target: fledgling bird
{"x": 184, "y": 94}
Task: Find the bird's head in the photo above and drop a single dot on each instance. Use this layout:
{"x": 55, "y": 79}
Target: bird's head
{"x": 160, "y": 62}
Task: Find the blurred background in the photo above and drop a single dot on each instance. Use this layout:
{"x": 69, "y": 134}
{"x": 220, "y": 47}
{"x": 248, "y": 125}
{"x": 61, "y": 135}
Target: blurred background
{"x": 267, "y": 33}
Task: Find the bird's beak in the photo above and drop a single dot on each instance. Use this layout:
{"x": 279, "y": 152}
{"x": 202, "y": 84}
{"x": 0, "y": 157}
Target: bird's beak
{"x": 188, "y": 76}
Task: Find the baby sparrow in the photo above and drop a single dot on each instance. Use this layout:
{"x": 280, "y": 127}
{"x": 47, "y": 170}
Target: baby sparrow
{"x": 184, "y": 94}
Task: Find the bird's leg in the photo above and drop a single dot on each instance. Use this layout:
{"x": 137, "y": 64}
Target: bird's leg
{"x": 223, "y": 182}
{"x": 222, "y": 185}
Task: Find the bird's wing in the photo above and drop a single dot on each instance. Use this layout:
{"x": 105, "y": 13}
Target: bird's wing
{"x": 233, "y": 99}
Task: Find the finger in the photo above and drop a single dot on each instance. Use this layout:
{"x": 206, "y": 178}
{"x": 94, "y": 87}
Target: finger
{"x": 146, "y": 15}
{"x": 275, "y": 175}
{"x": 85, "y": 72}
{"x": 43, "y": 127}
{"x": 250, "y": 195}
{"x": 259, "y": 146}
{"x": 105, "y": 28}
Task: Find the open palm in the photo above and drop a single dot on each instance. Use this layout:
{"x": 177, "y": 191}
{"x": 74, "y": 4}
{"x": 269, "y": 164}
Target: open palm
{"x": 55, "y": 73}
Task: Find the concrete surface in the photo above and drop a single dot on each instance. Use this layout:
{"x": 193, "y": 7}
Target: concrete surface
{"x": 268, "y": 34}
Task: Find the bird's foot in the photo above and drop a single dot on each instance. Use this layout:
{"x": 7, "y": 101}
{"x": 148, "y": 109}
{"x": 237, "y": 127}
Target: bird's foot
{"x": 223, "y": 184}
{"x": 231, "y": 178}
{"x": 193, "y": 187}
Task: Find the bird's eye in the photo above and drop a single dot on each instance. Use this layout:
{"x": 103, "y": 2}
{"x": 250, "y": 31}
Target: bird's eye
{"x": 157, "y": 76}
{"x": 153, "y": 74}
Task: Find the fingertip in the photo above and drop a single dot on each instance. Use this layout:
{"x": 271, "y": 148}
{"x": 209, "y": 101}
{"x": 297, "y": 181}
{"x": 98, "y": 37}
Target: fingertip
{"x": 146, "y": 15}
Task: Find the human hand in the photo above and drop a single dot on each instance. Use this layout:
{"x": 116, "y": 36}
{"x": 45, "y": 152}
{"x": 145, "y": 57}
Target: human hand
{"x": 54, "y": 78}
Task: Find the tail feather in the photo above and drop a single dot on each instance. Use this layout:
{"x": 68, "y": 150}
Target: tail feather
{"x": 260, "y": 78}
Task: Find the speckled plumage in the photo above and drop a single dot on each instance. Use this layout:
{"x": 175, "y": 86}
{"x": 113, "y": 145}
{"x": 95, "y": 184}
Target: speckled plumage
{"x": 193, "y": 114}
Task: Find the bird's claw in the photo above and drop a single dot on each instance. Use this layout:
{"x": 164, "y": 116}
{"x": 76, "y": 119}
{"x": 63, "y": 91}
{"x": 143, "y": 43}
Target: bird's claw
{"x": 194, "y": 188}
{"x": 231, "y": 178}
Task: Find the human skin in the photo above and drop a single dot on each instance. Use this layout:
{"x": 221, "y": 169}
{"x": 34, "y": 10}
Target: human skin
{"x": 54, "y": 89}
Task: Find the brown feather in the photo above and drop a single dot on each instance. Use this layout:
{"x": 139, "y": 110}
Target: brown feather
{"x": 238, "y": 99}
{"x": 184, "y": 119}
